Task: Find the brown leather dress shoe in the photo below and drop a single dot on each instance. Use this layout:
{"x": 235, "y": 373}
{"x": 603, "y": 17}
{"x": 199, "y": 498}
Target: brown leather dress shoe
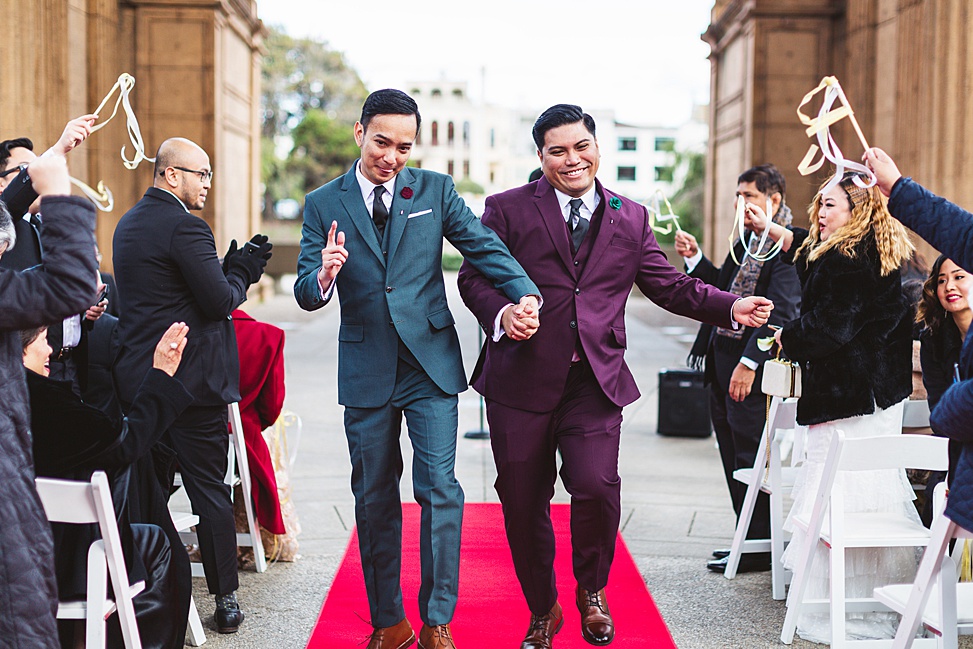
{"x": 436, "y": 637}
{"x": 399, "y": 636}
{"x": 542, "y": 629}
{"x": 597, "y": 627}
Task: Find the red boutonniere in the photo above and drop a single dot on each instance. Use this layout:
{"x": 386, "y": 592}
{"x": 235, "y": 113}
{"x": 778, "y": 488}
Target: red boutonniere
{"x": 406, "y": 193}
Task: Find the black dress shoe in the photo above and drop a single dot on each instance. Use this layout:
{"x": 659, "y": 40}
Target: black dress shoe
{"x": 228, "y": 615}
{"x": 754, "y": 562}
{"x": 719, "y": 554}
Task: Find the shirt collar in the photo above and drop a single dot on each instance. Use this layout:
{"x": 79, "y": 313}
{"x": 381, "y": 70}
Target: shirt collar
{"x": 367, "y": 186}
{"x": 175, "y": 197}
{"x": 589, "y": 200}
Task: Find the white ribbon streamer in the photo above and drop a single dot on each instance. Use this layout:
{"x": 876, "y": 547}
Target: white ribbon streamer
{"x": 656, "y": 215}
{"x": 96, "y": 196}
{"x": 739, "y": 230}
{"x": 820, "y": 127}
{"x": 124, "y": 86}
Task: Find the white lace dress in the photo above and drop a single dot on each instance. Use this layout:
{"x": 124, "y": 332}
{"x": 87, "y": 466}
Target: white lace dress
{"x": 865, "y": 491}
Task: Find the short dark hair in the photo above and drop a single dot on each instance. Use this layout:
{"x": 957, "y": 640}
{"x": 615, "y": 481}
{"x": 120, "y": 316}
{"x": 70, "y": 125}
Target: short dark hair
{"x": 16, "y": 143}
{"x": 559, "y": 115}
{"x": 767, "y": 178}
{"x": 27, "y": 336}
{"x": 389, "y": 102}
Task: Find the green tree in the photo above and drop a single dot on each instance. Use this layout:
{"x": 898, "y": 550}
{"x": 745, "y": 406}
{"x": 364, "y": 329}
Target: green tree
{"x": 300, "y": 75}
{"x": 324, "y": 148}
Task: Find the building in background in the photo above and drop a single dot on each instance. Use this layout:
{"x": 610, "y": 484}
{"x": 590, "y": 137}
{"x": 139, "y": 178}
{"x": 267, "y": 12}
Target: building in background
{"x": 489, "y": 149}
{"x": 196, "y": 65}
{"x": 906, "y": 68}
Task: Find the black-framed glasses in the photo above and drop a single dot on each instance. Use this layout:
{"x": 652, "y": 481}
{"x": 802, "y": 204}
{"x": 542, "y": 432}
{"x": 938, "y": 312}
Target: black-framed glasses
{"x": 13, "y": 170}
{"x": 204, "y": 176}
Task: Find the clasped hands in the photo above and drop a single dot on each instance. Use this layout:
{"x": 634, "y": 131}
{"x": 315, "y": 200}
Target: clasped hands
{"x": 250, "y": 260}
{"x": 521, "y": 321}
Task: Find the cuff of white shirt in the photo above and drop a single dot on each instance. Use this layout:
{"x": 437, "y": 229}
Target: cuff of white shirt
{"x": 326, "y": 292}
{"x": 749, "y": 362}
{"x": 498, "y": 331}
{"x": 692, "y": 262}
{"x": 734, "y": 324}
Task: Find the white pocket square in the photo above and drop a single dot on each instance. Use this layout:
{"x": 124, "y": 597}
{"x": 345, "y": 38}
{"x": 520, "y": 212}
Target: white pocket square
{"x": 415, "y": 214}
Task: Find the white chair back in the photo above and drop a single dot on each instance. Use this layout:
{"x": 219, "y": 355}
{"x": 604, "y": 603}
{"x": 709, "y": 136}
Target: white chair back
{"x": 68, "y": 501}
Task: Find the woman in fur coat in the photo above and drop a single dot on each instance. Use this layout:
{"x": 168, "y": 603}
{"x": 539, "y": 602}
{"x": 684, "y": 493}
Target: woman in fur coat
{"x": 853, "y": 341}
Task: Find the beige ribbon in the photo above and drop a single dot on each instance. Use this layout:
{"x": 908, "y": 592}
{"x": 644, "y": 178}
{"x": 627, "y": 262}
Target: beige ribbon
{"x": 124, "y": 86}
{"x": 820, "y": 127}
{"x": 656, "y": 215}
{"x": 96, "y": 196}
{"x": 738, "y": 230}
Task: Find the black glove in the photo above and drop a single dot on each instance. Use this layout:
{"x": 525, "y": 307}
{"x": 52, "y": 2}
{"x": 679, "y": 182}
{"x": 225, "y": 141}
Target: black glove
{"x": 259, "y": 245}
{"x": 251, "y": 260}
{"x": 232, "y": 250}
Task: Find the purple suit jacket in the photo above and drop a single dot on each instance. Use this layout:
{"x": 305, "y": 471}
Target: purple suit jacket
{"x": 590, "y": 306}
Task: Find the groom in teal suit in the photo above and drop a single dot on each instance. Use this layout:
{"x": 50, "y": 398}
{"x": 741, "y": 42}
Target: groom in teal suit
{"x": 376, "y": 235}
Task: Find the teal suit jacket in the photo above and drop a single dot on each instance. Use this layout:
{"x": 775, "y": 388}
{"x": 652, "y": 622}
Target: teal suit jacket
{"x": 401, "y": 295}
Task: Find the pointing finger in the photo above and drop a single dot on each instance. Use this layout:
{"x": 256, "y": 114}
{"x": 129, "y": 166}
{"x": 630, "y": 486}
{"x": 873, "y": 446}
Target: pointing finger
{"x": 334, "y": 227}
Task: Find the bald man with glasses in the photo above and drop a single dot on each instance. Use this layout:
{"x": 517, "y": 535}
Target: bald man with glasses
{"x": 167, "y": 270}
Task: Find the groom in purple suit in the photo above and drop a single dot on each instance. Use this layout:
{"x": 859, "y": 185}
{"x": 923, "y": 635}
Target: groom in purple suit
{"x": 563, "y": 388}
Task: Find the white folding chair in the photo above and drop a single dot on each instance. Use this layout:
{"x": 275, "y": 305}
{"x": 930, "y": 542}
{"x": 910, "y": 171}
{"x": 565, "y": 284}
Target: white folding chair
{"x": 183, "y": 521}
{"x": 768, "y": 475}
{"x": 236, "y": 463}
{"x": 837, "y": 530}
{"x": 915, "y": 414}
{"x": 238, "y": 451}
{"x": 70, "y": 501}
{"x": 936, "y": 601}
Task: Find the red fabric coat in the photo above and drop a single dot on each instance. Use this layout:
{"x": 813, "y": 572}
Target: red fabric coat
{"x": 261, "y": 347}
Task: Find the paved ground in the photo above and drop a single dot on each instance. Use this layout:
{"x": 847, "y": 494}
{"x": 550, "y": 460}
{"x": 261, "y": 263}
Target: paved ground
{"x": 675, "y": 505}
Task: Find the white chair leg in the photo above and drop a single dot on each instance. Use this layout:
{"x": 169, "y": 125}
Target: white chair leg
{"x": 196, "y": 634}
{"x": 778, "y": 574}
{"x": 94, "y": 621}
{"x": 933, "y": 562}
{"x": 795, "y": 596}
{"x": 837, "y": 583}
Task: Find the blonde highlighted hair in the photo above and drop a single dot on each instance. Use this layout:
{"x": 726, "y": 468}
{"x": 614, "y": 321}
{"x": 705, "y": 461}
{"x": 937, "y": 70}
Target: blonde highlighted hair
{"x": 869, "y": 214}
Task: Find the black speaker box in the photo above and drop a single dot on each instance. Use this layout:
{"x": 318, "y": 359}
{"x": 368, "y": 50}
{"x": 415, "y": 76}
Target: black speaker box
{"x": 683, "y": 404}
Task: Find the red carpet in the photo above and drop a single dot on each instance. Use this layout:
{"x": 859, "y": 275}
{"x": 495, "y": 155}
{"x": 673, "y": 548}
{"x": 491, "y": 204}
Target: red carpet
{"x": 487, "y": 585}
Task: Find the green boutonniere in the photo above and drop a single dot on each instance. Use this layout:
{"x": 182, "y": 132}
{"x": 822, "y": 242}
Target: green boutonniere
{"x": 616, "y": 203}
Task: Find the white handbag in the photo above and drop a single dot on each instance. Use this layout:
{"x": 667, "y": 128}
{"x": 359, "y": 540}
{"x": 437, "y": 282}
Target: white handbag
{"x": 782, "y": 378}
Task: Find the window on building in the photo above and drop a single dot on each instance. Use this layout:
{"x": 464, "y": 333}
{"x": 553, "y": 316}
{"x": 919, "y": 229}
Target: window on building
{"x": 450, "y": 168}
{"x": 493, "y": 138}
{"x": 626, "y": 173}
{"x": 436, "y": 92}
{"x": 414, "y": 92}
{"x": 435, "y": 133}
{"x": 663, "y": 174}
{"x": 458, "y": 92}
{"x": 466, "y": 134}
{"x": 492, "y": 176}
{"x": 627, "y": 144}
{"x": 450, "y": 134}
{"x": 665, "y": 144}
{"x": 466, "y": 168}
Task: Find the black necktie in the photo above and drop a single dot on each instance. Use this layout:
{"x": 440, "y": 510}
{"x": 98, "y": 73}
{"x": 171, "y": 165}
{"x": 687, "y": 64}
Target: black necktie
{"x": 380, "y": 213}
{"x": 577, "y": 225}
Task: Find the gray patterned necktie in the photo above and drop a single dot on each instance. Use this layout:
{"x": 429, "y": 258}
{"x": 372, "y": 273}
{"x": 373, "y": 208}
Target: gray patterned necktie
{"x": 577, "y": 225}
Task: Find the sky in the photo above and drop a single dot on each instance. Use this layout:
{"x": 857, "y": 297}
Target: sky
{"x": 641, "y": 58}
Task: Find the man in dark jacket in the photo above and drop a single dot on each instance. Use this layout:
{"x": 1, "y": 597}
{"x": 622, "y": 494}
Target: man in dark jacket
{"x": 733, "y": 363}
{"x": 28, "y": 594}
{"x": 167, "y": 270}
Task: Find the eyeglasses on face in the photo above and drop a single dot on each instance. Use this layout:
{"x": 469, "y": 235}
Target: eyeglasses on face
{"x": 204, "y": 175}
{"x": 13, "y": 170}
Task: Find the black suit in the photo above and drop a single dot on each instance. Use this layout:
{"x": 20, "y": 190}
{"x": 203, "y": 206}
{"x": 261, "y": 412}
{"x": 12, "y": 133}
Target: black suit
{"x": 27, "y": 249}
{"x": 739, "y": 424}
{"x": 167, "y": 270}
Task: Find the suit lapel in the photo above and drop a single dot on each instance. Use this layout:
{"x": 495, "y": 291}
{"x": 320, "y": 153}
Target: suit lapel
{"x": 546, "y": 203}
{"x": 351, "y": 199}
{"x": 401, "y": 208}
{"x": 610, "y": 218}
